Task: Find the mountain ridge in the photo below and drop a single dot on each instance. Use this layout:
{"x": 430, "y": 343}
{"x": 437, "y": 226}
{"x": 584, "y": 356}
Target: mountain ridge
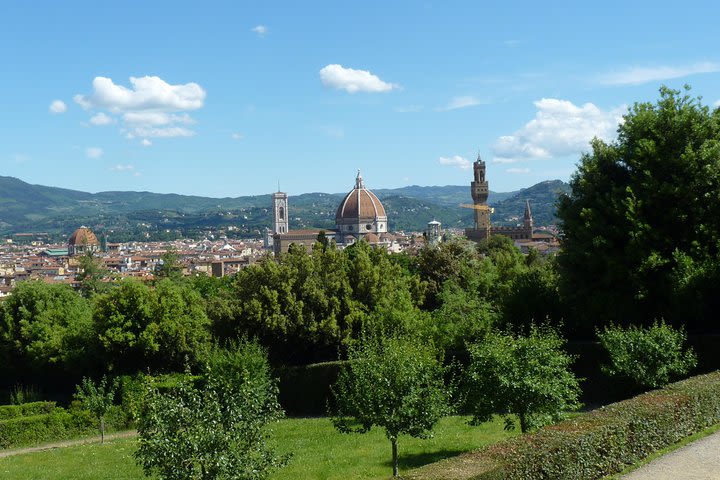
{"x": 28, "y": 207}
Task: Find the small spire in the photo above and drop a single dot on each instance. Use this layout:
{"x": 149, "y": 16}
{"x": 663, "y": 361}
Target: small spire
{"x": 359, "y": 180}
{"x": 528, "y": 213}
{"x": 479, "y": 160}
{"x": 278, "y": 185}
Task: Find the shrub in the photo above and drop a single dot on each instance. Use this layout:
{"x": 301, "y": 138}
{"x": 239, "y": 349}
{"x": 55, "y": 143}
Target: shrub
{"x": 25, "y": 410}
{"x": 58, "y": 425}
{"x": 651, "y": 357}
{"x": 596, "y": 443}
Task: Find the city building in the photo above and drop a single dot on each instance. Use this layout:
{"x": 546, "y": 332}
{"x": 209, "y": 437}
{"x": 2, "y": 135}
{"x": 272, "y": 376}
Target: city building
{"x": 360, "y": 215}
{"x": 81, "y": 241}
{"x": 483, "y": 228}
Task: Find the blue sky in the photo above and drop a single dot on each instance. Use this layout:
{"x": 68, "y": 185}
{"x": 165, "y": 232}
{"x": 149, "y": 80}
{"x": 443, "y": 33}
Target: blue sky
{"x": 228, "y": 98}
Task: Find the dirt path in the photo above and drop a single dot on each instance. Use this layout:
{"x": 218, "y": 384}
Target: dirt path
{"x": 699, "y": 460}
{"x": 66, "y": 443}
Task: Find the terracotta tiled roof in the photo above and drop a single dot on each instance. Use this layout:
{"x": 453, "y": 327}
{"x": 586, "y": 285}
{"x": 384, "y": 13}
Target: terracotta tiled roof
{"x": 83, "y": 236}
{"x": 360, "y": 203}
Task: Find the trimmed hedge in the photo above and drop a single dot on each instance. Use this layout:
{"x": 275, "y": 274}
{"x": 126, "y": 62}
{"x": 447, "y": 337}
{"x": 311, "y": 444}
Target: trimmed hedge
{"x": 59, "y": 424}
{"x": 594, "y": 444}
{"x": 25, "y": 410}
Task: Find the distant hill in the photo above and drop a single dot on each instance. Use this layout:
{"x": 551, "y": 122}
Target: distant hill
{"x": 136, "y": 215}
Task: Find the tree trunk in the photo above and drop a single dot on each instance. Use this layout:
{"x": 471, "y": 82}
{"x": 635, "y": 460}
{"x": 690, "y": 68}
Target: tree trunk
{"x": 395, "y": 456}
{"x": 523, "y": 423}
{"x": 102, "y": 430}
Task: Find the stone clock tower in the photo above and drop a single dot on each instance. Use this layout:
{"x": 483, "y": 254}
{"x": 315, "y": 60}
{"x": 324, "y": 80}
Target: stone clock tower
{"x": 479, "y": 191}
{"x": 280, "y": 212}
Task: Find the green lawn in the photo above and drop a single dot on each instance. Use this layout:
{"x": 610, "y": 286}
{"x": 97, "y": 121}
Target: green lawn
{"x": 318, "y": 452}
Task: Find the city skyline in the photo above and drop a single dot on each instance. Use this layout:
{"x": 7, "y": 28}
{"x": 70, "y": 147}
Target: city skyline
{"x": 225, "y": 100}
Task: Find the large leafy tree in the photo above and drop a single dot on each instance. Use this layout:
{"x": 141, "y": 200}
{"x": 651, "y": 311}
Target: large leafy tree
{"x": 393, "y": 384}
{"x": 140, "y": 327}
{"x": 216, "y": 430}
{"x": 47, "y": 325}
{"x": 638, "y": 205}
{"x": 527, "y": 377}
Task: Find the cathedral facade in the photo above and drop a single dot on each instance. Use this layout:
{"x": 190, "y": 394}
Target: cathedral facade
{"x": 359, "y": 215}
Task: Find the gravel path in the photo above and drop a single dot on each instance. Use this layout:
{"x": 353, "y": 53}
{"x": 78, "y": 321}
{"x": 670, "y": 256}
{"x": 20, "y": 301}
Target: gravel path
{"x": 699, "y": 460}
{"x": 66, "y": 443}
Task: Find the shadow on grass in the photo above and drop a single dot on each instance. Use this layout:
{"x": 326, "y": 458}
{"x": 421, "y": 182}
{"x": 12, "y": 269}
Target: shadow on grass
{"x": 414, "y": 460}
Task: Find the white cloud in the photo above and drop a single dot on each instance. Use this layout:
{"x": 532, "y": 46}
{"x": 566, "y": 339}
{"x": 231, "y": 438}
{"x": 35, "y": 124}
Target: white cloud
{"x": 717, "y": 104}
{"x": 101, "y": 119}
{"x": 559, "y": 128}
{"x": 94, "y": 152}
{"x": 122, "y": 168}
{"x": 156, "y": 119}
{"x": 455, "y": 161}
{"x": 260, "y": 30}
{"x": 145, "y": 142}
{"x": 352, "y": 81}
{"x": 518, "y": 170}
{"x": 640, "y": 75}
{"x": 150, "y": 108}
{"x": 166, "y": 132}
{"x": 58, "y": 106}
{"x": 461, "y": 102}
{"x": 237, "y": 136}
{"x": 146, "y": 93}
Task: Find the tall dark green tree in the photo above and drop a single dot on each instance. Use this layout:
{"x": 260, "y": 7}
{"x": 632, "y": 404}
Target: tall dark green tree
{"x": 637, "y": 205}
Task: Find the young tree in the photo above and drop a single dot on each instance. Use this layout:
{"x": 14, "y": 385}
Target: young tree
{"x": 527, "y": 376}
{"x": 98, "y": 398}
{"x": 652, "y": 357}
{"x": 393, "y": 384}
{"x": 217, "y": 430}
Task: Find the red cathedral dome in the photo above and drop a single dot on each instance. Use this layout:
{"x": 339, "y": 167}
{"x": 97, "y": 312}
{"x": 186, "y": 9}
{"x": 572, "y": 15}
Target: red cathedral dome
{"x": 360, "y": 203}
{"x": 83, "y": 236}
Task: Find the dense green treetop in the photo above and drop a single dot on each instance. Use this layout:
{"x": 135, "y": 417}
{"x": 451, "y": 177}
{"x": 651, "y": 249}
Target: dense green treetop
{"x": 637, "y": 205}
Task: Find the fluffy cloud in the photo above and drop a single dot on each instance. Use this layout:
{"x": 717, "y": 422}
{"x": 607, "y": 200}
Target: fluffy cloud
{"x": 260, "y": 30}
{"x": 101, "y": 119}
{"x": 352, "y": 81}
{"x": 58, "y": 106}
{"x": 150, "y": 108}
{"x": 145, "y": 142}
{"x": 461, "y": 102}
{"x": 717, "y": 104}
{"x": 156, "y": 119}
{"x": 153, "y": 132}
{"x": 147, "y": 93}
{"x": 94, "y": 152}
{"x": 455, "y": 161}
{"x": 559, "y": 128}
{"x": 640, "y": 75}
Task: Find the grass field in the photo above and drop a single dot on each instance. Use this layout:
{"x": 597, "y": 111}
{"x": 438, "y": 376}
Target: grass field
{"x": 318, "y": 452}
